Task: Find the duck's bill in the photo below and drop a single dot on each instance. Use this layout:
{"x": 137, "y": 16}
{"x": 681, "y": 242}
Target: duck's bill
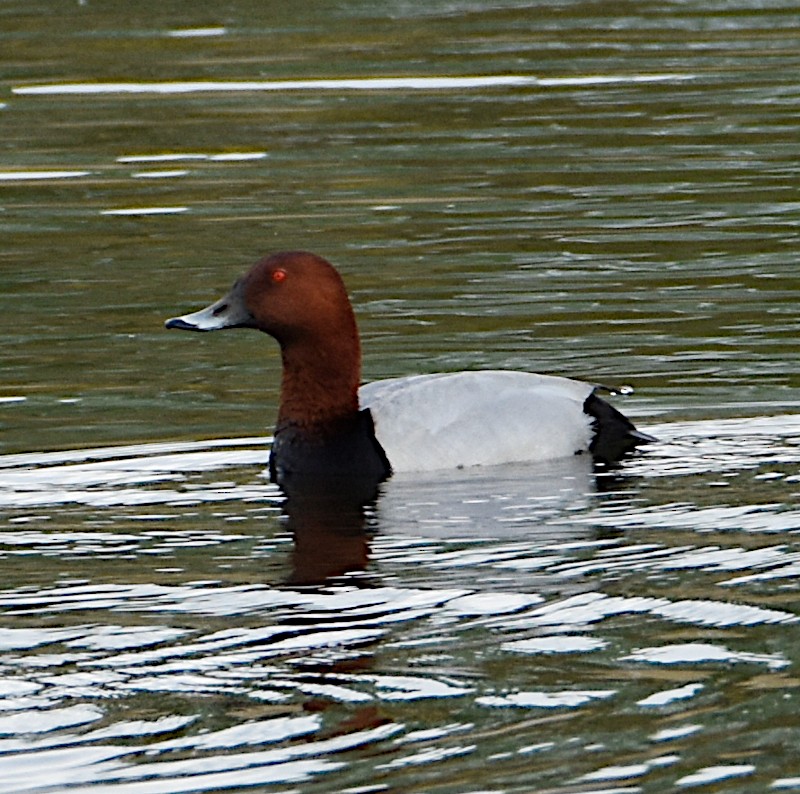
{"x": 227, "y": 312}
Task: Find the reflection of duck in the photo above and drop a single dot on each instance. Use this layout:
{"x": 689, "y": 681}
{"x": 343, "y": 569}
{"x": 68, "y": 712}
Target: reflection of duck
{"x": 327, "y": 426}
{"x": 331, "y": 536}
{"x": 329, "y": 518}
{"x": 537, "y": 501}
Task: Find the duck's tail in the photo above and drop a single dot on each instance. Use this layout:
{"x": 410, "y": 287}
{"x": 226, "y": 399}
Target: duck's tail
{"x": 614, "y": 434}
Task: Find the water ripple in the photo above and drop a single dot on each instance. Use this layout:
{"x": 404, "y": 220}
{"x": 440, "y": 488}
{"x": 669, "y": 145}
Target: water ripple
{"x": 542, "y": 574}
{"x": 457, "y": 83}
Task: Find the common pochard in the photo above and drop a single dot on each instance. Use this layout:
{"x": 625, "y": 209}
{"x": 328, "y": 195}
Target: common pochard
{"x": 328, "y": 424}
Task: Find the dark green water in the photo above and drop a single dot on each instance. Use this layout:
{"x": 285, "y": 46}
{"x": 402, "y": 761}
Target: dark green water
{"x": 626, "y": 212}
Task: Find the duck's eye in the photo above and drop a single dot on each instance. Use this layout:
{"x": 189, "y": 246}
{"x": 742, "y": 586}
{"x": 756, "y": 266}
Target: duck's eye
{"x": 278, "y": 275}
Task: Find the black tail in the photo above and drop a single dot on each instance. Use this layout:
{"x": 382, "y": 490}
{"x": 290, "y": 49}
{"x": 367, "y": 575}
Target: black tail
{"x": 614, "y": 434}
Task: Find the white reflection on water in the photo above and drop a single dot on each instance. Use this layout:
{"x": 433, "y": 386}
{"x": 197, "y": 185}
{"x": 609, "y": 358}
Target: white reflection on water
{"x": 597, "y": 597}
{"x": 671, "y": 695}
{"x": 103, "y": 476}
{"x": 146, "y": 211}
{"x": 161, "y": 158}
{"x": 158, "y": 175}
{"x": 547, "y": 700}
{"x": 169, "y": 157}
{"x": 715, "y": 774}
{"x": 28, "y": 176}
{"x": 458, "y": 83}
{"x": 702, "y": 652}
{"x": 194, "y": 33}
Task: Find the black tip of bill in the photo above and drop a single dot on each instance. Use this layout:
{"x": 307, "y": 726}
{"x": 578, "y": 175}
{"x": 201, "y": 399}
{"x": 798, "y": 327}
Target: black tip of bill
{"x": 181, "y": 324}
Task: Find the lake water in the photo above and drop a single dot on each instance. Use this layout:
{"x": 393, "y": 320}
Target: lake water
{"x": 604, "y": 191}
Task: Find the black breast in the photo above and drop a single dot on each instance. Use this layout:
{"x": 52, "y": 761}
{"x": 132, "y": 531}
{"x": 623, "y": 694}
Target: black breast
{"x": 343, "y": 451}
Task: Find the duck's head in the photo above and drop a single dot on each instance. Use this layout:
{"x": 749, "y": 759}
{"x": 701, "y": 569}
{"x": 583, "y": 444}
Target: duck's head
{"x": 292, "y": 295}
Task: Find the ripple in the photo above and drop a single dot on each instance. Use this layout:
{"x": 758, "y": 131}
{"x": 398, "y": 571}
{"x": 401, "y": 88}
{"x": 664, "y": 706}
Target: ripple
{"x": 194, "y": 33}
{"x": 173, "y": 174}
{"x": 363, "y": 84}
{"x": 517, "y": 569}
{"x": 394, "y": 687}
{"x": 98, "y": 476}
{"x": 668, "y": 696}
{"x": 431, "y": 756}
{"x": 29, "y": 176}
{"x": 546, "y": 700}
{"x": 146, "y": 211}
{"x": 704, "y": 653}
{"x": 51, "y": 720}
{"x": 714, "y": 774}
{"x": 556, "y": 644}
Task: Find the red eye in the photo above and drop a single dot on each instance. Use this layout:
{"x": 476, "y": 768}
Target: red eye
{"x": 278, "y": 275}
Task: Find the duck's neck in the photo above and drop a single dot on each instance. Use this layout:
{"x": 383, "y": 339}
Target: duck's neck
{"x": 320, "y": 383}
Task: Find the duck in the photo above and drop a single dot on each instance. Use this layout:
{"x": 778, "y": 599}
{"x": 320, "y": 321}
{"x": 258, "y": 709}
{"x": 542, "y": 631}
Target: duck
{"x": 329, "y": 424}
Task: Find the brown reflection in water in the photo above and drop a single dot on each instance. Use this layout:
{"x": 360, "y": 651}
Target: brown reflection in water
{"x": 328, "y": 519}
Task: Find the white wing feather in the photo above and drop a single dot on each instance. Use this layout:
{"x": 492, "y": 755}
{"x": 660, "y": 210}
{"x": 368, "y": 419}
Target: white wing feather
{"x": 449, "y": 420}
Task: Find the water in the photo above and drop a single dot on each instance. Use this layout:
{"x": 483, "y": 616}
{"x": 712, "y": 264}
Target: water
{"x": 622, "y": 209}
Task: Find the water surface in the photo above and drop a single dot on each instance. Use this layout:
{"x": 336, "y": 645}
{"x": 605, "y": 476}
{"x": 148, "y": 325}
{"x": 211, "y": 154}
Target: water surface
{"x": 607, "y": 192}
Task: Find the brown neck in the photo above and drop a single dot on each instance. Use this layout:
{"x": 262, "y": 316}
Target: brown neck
{"x": 320, "y": 381}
